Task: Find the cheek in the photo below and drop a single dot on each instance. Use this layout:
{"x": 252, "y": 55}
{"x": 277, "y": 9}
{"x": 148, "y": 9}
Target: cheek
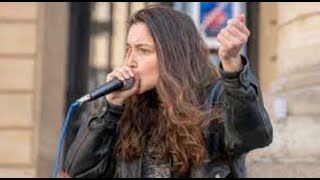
{"x": 154, "y": 72}
{"x": 149, "y": 76}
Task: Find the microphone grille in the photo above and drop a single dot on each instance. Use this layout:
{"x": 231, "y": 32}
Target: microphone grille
{"x": 128, "y": 84}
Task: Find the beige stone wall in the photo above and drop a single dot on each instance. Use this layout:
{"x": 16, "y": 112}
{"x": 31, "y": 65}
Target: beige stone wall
{"x": 33, "y": 52}
{"x": 268, "y": 44}
{"x": 32, "y": 64}
{"x": 18, "y": 51}
{"x": 295, "y": 149}
{"x": 50, "y": 83}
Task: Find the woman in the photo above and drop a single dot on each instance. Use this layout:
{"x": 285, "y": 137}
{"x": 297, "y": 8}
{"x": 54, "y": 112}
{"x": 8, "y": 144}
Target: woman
{"x": 166, "y": 124}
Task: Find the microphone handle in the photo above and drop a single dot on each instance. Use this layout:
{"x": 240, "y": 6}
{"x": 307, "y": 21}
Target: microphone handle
{"x": 106, "y": 88}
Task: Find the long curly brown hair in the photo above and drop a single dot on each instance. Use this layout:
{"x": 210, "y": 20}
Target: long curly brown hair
{"x": 173, "y": 114}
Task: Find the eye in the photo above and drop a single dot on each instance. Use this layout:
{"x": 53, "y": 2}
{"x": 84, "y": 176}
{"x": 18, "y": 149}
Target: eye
{"x": 144, "y": 51}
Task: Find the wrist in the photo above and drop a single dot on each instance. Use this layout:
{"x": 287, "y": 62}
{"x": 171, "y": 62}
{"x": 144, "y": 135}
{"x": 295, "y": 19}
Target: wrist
{"x": 115, "y": 102}
{"x": 113, "y": 109}
{"x": 232, "y": 64}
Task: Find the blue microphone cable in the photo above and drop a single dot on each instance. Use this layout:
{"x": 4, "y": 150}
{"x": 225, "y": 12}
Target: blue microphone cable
{"x": 62, "y": 137}
{"x": 102, "y": 90}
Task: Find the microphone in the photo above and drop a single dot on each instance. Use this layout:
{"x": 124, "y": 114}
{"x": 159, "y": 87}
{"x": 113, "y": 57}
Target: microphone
{"x": 107, "y": 88}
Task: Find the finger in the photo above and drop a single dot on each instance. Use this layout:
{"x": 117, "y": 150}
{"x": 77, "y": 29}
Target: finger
{"x": 241, "y": 26}
{"x": 124, "y": 72}
{"x": 115, "y": 74}
{"x": 232, "y": 41}
{"x": 223, "y": 40}
{"x": 230, "y": 37}
{"x": 129, "y": 71}
{"x": 119, "y": 74}
{"x": 223, "y": 32}
{"x": 242, "y": 38}
{"x": 241, "y": 18}
{"x": 111, "y": 76}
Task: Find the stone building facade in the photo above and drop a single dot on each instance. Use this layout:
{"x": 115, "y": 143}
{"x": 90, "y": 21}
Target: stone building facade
{"x": 33, "y": 82}
{"x": 289, "y": 69}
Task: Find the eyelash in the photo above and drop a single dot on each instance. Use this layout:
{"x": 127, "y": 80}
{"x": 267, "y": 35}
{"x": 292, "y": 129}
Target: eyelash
{"x": 142, "y": 50}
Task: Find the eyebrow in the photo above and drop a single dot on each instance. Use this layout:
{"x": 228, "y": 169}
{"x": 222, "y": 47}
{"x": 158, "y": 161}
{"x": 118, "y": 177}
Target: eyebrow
{"x": 140, "y": 45}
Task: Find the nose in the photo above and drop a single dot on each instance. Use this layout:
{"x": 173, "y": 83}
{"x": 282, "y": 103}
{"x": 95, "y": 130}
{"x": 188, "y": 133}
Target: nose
{"x": 133, "y": 64}
{"x": 131, "y": 60}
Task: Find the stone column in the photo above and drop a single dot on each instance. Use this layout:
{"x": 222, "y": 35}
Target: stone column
{"x": 294, "y": 99}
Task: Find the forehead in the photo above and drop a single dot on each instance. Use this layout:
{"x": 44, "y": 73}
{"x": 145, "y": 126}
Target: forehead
{"x": 139, "y": 34}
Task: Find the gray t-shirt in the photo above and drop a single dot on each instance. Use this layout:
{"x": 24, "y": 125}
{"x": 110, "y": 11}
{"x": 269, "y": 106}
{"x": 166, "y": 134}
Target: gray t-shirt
{"x": 152, "y": 167}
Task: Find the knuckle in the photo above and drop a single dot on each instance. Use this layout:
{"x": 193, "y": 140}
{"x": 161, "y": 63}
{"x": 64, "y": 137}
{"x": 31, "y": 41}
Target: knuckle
{"x": 116, "y": 70}
{"x": 225, "y": 30}
{"x": 227, "y": 46}
{"x": 109, "y": 76}
{"x": 127, "y": 69}
{"x": 233, "y": 45}
{"x": 111, "y": 73}
{"x": 242, "y": 40}
{"x": 123, "y": 71}
{"x": 229, "y": 29}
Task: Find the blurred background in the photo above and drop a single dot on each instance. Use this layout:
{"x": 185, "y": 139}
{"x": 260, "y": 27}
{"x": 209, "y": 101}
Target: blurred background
{"x": 54, "y": 52}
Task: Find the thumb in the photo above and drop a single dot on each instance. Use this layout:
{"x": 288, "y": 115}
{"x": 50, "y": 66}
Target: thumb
{"x": 241, "y": 17}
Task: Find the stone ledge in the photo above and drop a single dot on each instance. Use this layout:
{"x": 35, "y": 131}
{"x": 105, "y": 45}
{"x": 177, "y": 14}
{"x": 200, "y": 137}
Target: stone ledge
{"x": 17, "y": 173}
{"x": 283, "y": 170}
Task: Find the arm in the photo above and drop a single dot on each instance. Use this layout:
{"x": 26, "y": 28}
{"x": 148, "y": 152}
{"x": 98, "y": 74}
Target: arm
{"x": 91, "y": 154}
{"x": 247, "y": 125}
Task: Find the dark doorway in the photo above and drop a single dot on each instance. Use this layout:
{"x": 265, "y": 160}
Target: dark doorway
{"x": 253, "y": 43}
{"x": 78, "y": 60}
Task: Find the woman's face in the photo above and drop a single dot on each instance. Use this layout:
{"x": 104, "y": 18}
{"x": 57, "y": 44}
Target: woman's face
{"x": 141, "y": 56}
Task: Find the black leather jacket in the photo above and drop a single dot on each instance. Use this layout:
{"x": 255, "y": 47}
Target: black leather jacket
{"x": 246, "y": 126}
